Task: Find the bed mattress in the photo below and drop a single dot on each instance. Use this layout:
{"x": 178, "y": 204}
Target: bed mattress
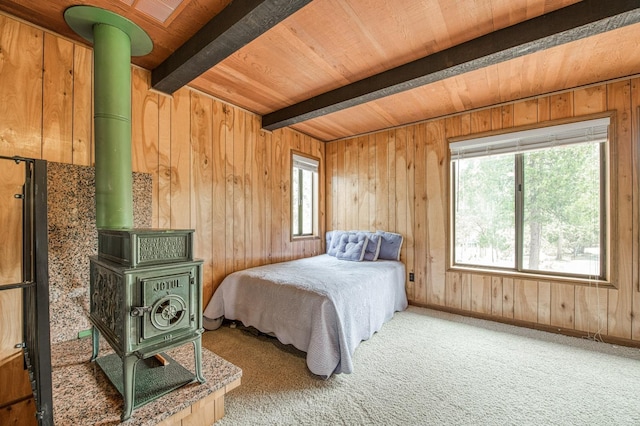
{"x": 321, "y": 305}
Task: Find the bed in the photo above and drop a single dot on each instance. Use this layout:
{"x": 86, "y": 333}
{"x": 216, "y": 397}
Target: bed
{"x": 322, "y": 305}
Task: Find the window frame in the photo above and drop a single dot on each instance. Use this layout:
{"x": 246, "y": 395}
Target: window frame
{"x": 315, "y": 233}
{"x": 608, "y": 223}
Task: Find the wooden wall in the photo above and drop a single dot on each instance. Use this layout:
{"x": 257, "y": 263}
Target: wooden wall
{"x": 214, "y": 169}
{"x": 398, "y": 180}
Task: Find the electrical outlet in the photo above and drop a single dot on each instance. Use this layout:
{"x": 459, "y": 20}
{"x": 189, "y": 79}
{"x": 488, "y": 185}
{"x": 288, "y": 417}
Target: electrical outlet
{"x": 411, "y": 277}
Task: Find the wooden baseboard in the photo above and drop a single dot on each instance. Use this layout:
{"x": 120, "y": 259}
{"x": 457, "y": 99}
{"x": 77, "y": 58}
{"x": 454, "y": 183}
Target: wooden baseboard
{"x": 551, "y": 329}
{"x": 204, "y": 412}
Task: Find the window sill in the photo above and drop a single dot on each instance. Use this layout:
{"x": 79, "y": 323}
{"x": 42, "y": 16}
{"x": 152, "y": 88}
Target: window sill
{"x": 305, "y": 238}
{"x": 535, "y": 277}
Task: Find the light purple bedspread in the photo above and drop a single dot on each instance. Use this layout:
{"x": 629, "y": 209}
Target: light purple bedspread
{"x": 321, "y": 305}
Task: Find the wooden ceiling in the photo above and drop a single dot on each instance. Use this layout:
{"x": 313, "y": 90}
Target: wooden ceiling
{"x": 313, "y": 65}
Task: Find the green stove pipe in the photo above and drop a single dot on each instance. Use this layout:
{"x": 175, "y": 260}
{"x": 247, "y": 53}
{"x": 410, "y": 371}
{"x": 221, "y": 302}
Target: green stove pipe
{"x": 112, "y": 120}
{"x": 115, "y": 39}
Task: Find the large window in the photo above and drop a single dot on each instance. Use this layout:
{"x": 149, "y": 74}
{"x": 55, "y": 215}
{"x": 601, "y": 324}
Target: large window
{"x": 304, "y": 196}
{"x": 532, "y": 200}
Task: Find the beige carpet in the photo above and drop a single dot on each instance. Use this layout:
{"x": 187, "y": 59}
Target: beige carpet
{"x": 432, "y": 368}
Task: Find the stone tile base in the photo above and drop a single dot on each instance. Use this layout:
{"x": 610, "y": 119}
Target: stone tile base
{"x": 82, "y": 393}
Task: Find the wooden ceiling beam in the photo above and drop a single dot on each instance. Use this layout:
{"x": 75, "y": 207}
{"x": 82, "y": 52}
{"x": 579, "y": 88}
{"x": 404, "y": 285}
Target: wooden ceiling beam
{"x": 574, "y": 22}
{"x": 235, "y": 26}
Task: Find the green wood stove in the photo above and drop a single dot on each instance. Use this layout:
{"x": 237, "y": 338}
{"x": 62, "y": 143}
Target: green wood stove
{"x": 146, "y": 298}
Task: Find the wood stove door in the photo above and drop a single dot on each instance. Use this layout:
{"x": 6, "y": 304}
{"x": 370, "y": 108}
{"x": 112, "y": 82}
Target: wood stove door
{"x": 171, "y": 300}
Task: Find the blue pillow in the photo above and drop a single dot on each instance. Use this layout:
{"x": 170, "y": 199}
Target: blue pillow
{"x": 390, "y": 245}
{"x": 372, "y": 248}
{"x": 332, "y": 248}
{"x": 352, "y": 247}
{"x": 327, "y": 240}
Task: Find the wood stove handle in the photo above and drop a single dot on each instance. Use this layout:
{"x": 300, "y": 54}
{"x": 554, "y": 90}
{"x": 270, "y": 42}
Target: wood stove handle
{"x": 139, "y": 311}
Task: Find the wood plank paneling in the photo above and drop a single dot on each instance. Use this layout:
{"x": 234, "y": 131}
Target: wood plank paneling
{"x": 144, "y": 131}
{"x": 255, "y": 188}
{"x": 297, "y": 247}
{"x": 620, "y": 299}
{"x": 351, "y": 171}
{"x": 363, "y": 184}
{"x": 371, "y": 178}
{"x": 544, "y": 302}
{"x": 496, "y": 296}
{"x": 164, "y": 162}
{"x": 21, "y": 413}
{"x": 420, "y": 215}
{"x": 496, "y": 118}
{"x": 239, "y": 207}
{"x": 229, "y": 117}
{"x": 285, "y": 196}
{"x": 590, "y": 100}
{"x": 180, "y": 160}
{"x": 480, "y": 121}
{"x": 507, "y": 297}
{"x": 400, "y": 196}
{"x": 320, "y": 151}
{"x": 525, "y": 112}
{"x": 11, "y": 317}
{"x": 561, "y": 105}
{"x": 218, "y": 194}
{"x": 82, "y": 106}
{"x": 21, "y": 89}
{"x": 506, "y": 113}
{"x": 382, "y": 181}
{"x": 391, "y": 169}
{"x": 562, "y": 305}
{"x": 276, "y": 197}
{"x": 465, "y": 291}
{"x": 591, "y": 309}
{"x": 57, "y": 142}
{"x": 436, "y": 188}
{"x": 12, "y": 177}
{"x": 582, "y": 306}
{"x": 12, "y": 370}
{"x": 544, "y": 109}
{"x": 266, "y": 138}
{"x": 409, "y": 240}
{"x": 481, "y": 293}
{"x": 525, "y": 300}
{"x": 202, "y": 178}
{"x": 341, "y": 188}
{"x": 635, "y": 149}
{"x": 331, "y": 187}
{"x": 453, "y": 296}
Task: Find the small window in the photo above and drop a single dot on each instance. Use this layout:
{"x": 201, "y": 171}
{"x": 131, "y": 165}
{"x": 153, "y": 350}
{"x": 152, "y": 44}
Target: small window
{"x": 304, "y": 196}
{"x": 532, "y": 200}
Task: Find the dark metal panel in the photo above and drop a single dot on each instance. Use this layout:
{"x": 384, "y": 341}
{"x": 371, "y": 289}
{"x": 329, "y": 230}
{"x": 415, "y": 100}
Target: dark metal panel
{"x": 237, "y": 25}
{"x": 35, "y": 294}
{"x": 571, "y": 23}
{"x": 41, "y": 277}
